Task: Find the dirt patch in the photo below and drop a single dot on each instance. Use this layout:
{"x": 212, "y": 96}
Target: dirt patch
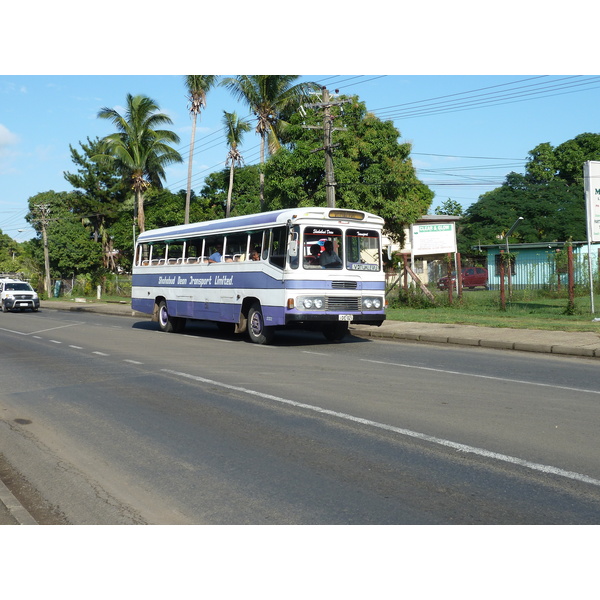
{"x": 41, "y": 510}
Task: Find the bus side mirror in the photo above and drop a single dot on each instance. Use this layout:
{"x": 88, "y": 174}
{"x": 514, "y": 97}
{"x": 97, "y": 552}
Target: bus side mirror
{"x": 293, "y": 245}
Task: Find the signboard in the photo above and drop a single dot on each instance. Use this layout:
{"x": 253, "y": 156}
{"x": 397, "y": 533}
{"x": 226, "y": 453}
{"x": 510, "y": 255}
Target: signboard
{"x": 591, "y": 181}
{"x": 433, "y": 239}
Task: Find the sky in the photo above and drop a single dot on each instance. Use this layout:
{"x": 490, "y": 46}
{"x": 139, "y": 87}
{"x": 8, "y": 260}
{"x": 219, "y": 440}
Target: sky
{"x": 467, "y": 132}
{"x": 472, "y": 108}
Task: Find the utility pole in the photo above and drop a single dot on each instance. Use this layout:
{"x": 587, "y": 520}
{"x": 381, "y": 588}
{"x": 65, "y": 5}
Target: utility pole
{"x": 328, "y": 129}
{"x": 43, "y": 212}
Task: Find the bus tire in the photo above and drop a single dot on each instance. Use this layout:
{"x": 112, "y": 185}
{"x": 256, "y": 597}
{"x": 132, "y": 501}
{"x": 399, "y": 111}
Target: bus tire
{"x": 335, "y": 332}
{"x": 166, "y": 322}
{"x": 257, "y": 331}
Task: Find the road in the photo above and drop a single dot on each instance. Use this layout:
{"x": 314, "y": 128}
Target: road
{"x": 106, "y": 420}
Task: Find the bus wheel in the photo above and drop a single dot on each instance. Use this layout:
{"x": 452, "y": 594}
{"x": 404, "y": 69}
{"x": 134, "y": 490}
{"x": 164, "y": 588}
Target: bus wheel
{"x": 258, "y": 332}
{"x": 335, "y": 332}
{"x": 168, "y": 323}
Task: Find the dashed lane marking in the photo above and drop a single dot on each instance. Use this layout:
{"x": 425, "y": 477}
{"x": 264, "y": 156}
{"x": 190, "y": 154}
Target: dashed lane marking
{"x": 548, "y": 469}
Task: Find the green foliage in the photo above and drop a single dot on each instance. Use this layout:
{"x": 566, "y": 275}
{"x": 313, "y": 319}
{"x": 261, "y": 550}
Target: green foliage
{"x": 549, "y": 197}
{"x": 139, "y": 150}
{"x": 449, "y": 207}
{"x": 373, "y": 171}
{"x": 99, "y": 196}
{"x": 71, "y": 248}
{"x": 411, "y": 298}
{"x": 99, "y": 189}
{"x": 245, "y": 196}
{"x": 10, "y": 254}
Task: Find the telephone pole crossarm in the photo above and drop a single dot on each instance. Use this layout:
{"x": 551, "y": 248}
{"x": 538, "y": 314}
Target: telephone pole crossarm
{"x": 327, "y": 147}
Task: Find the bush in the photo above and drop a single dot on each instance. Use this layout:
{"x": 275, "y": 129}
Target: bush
{"x": 410, "y": 298}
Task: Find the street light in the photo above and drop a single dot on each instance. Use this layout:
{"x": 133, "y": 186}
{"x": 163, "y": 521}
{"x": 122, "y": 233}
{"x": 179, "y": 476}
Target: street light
{"x": 515, "y": 224}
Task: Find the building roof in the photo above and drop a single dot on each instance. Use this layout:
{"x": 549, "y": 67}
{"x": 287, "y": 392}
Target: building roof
{"x": 532, "y": 246}
{"x": 438, "y": 219}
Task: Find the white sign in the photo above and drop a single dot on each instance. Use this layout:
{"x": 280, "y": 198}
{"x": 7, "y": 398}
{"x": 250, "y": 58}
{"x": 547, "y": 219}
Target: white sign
{"x": 591, "y": 181}
{"x": 433, "y": 239}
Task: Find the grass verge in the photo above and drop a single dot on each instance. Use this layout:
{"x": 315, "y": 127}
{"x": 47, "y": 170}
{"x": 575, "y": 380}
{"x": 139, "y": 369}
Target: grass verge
{"x": 524, "y": 310}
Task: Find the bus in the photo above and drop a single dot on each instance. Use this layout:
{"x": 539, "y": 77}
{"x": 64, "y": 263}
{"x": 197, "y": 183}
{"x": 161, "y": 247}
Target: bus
{"x": 316, "y": 268}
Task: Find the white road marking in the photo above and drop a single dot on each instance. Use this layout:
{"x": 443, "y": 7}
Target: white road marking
{"x": 76, "y": 347}
{"x": 401, "y": 431}
{"x": 33, "y": 333}
{"x": 100, "y": 353}
{"x": 55, "y": 341}
{"x": 133, "y": 362}
{"x": 462, "y": 374}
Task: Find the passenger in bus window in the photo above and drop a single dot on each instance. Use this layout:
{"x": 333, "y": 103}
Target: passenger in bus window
{"x": 313, "y": 259}
{"x": 255, "y": 254}
{"x": 216, "y": 255}
{"x": 328, "y": 258}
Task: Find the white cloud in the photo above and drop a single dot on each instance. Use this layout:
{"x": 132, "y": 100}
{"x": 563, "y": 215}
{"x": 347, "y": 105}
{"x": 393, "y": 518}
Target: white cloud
{"x": 7, "y": 137}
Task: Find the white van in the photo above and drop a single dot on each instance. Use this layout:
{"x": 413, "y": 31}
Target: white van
{"x": 15, "y": 293}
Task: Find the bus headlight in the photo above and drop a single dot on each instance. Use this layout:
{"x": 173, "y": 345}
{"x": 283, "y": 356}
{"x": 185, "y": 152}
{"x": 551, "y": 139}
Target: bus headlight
{"x": 312, "y": 302}
{"x": 372, "y": 303}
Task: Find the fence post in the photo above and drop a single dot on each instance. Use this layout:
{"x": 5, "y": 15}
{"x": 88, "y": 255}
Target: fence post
{"x": 449, "y": 274}
{"x": 571, "y": 279}
{"x": 502, "y": 295}
{"x": 459, "y": 276}
{"x": 405, "y": 265}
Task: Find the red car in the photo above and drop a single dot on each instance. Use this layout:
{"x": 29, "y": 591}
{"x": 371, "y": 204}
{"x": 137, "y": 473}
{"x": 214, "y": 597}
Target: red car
{"x": 472, "y": 277}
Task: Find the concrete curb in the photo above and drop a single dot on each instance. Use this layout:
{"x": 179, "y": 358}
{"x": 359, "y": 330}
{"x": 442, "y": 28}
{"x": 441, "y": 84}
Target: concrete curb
{"x": 484, "y": 343}
{"x": 16, "y": 510}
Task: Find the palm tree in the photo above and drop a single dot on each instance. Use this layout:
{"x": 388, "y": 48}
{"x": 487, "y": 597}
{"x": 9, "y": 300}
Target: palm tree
{"x": 268, "y": 96}
{"x": 139, "y": 150}
{"x": 234, "y": 130}
{"x": 198, "y": 86}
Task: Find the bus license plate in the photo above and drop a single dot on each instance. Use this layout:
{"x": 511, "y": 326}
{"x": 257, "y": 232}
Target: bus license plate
{"x": 345, "y": 317}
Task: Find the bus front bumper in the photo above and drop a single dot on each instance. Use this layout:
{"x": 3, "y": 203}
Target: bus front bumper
{"x": 364, "y": 319}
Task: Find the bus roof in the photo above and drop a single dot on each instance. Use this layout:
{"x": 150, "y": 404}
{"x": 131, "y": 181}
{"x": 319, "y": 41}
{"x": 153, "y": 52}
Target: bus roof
{"x": 259, "y": 220}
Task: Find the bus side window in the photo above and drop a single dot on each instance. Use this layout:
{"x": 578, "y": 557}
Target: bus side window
{"x": 278, "y": 246}
{"x": 256, "y": 243}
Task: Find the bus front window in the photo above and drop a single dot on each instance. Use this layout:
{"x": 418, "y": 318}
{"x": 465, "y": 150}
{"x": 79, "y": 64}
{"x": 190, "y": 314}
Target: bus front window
{"x": 322, "y": 248}
{"x": 362, "y": 250}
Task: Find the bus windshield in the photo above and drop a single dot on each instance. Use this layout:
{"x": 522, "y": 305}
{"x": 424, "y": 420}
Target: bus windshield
{"x": 329, "y": 248}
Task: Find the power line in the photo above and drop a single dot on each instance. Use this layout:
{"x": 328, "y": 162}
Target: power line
{"x": 515, "y": 91}
{"x": 428, "y": 108}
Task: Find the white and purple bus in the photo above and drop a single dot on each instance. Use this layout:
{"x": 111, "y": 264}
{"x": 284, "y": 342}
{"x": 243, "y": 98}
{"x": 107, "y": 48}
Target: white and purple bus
{"x": 318, "y": 268}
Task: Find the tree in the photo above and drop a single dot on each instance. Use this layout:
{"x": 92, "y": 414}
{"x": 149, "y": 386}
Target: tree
{"x": 373, "y": 171}
{"x": 71, "y": 249}
{"x": 198, "y": 86}
{"x": 449, "y": 207}
{"x": 552, "y": 211}
{"x": 138, "y": 149}
{"x": 565, "y": 161}
{"x": 10, "y": 254}
{"x": 549, "y": 196}
{"x": 234, "y": 131}
{"x": 216, "y": 189}
{"x": 98, "y": 197}
{"x": 269, "y": 97}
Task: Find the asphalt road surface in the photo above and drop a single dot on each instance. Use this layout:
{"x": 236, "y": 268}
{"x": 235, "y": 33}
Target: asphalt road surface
{"x": 106, "y": 420}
